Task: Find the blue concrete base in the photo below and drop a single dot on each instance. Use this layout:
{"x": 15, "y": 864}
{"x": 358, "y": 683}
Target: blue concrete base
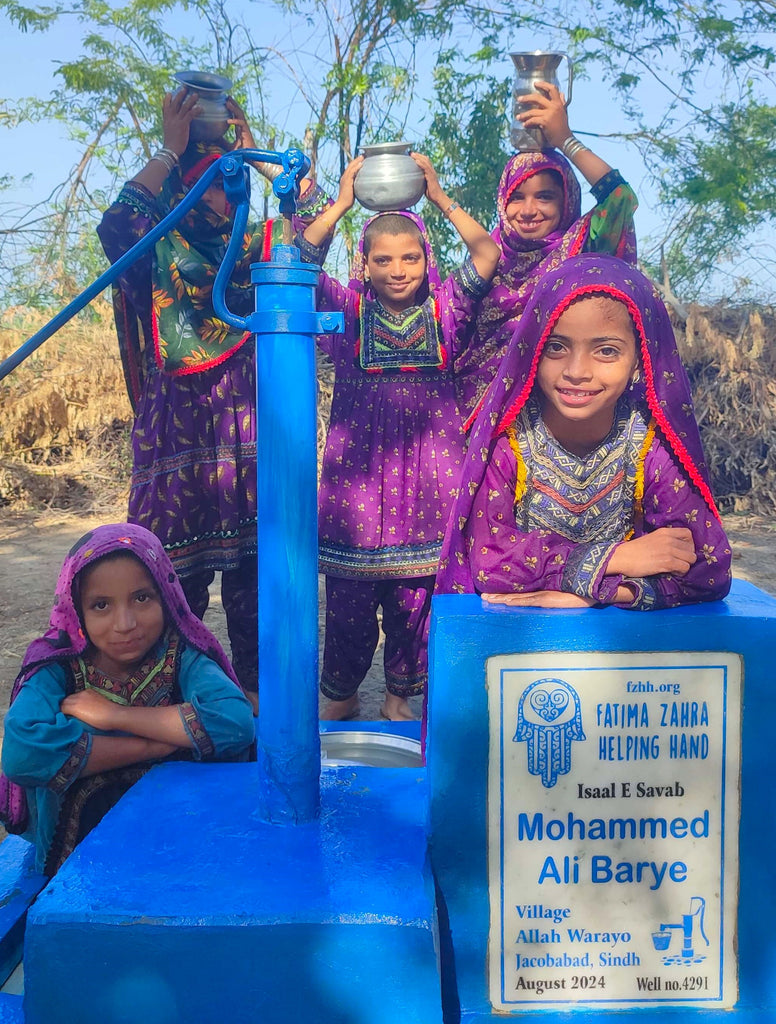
{"x": 20, "y": 883}
{"x": 11, "y": 1009}
{"x": 464, "y": 634}
{"x": 184, "y": 906}
{"x": 409, "y": 729}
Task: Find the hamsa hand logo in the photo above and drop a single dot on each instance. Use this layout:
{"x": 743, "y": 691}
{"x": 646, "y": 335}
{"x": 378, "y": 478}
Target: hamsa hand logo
{"x": 549, "y": 717}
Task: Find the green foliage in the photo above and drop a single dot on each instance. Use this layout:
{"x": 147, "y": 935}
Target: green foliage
{"x": 360, "y": 66}
{"x": 724, "y": 187}
{"x": 466, "y": 144}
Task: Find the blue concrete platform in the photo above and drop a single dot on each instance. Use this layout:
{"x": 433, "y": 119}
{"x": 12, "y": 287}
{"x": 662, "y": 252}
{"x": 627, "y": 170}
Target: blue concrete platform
{"x": 183, "y": 906}
{"x": 19, "y": 885}
{"x": 464, "y": 634}
{"x": 11, "y": 1009}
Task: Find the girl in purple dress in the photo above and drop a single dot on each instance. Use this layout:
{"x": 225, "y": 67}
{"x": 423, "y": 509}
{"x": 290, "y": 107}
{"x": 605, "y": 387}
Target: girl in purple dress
{"x": 395, "y": 447}
{"x": 585, "y": 483}
{"x": 124, "y": 677}
{"x": 191, "y": 377}
{"x": 540, "y": 225}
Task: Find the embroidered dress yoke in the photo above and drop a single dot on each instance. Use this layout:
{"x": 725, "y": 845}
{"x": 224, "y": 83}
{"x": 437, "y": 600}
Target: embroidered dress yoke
{"x": 586, "y": 497}
{"x": 394, "y": 448}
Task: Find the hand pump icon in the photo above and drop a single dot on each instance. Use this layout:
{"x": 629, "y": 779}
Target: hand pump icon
{"x": 662, "y": 938}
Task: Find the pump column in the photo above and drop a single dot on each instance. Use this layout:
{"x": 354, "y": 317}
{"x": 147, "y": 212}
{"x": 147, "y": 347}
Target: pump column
{"x": 285, "y": 323}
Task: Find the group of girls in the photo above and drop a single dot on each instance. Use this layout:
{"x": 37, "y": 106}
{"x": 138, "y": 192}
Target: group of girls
{"x": 581, "y": 481}
{"x": 523, "y": 430}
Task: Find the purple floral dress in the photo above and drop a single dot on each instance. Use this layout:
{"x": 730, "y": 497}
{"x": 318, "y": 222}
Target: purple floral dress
{"x": 395, "y": 446}
{"x": 194, "y": 434}
{"x": 391, "y": 469}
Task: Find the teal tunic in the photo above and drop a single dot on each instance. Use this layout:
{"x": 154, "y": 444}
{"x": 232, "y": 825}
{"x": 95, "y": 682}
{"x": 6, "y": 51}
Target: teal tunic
{"x": 45, "y": 750}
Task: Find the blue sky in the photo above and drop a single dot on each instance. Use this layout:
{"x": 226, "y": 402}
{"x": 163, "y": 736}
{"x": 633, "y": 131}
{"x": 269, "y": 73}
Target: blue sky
{"x": 28, "y": 62}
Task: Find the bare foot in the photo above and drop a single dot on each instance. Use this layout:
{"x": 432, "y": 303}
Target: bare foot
{"x": 253, "y": 697}
{"x": 341, "y": 710}
{"x": 396, "y": 709}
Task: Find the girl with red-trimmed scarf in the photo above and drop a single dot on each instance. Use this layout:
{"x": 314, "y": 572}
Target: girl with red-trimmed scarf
{"x": 540, "y": 224}
{"x": 190, "y": 376}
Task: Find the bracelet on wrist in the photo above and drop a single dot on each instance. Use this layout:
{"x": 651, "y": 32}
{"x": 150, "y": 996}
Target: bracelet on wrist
{"x": 571, "y": 146}
{"x": 171, "y": 154}
{"x": 452, "y": 208}
{"x": 163, "y": 158}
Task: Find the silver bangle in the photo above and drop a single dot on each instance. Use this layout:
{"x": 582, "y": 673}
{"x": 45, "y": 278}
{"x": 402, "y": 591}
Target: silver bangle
{"x": 171, "y": 154}
{"x": 163, "y": 158}
{"x": 571, "y": 146}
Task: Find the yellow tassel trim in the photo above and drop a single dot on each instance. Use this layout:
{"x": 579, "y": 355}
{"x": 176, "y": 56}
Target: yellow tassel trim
{"x": 522, "y": 473}
{"x": 638, "y": 490}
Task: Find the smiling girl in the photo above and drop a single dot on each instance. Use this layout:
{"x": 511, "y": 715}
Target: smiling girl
{"x": 124, "y": 677}
{"x": 540, "y": 225}
{"x": 394, "y": 447}
{"x": 585, "y": 483}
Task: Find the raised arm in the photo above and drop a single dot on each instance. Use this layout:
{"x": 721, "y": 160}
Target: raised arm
{"x": 322, "y": 228}
{"x": 178, "y": 111}
{"x": 548, "y": 111}
{"x": 483, "y": 250}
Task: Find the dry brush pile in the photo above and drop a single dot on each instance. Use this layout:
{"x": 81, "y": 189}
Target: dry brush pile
{"x": 730, "y": 354}
{"x": 65, "y": 417}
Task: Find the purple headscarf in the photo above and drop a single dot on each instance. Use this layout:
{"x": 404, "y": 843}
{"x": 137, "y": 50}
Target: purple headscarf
{"x": 444, "y": 311}
{"x": 522, "y": 265}
{"x": 66, "y": 638}
{"x": 664, "y": 387}
{"x": 522, "y": 253}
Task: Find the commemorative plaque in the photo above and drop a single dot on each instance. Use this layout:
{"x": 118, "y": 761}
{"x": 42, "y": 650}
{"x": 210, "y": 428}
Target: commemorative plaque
{"x": 613, "y": 809}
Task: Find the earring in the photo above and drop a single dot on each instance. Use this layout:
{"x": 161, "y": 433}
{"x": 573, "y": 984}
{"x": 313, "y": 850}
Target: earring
{"x": 635, "y": 378}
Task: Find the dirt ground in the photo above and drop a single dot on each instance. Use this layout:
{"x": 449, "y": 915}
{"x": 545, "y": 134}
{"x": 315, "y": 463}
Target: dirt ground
{"x": 32, "y": 546}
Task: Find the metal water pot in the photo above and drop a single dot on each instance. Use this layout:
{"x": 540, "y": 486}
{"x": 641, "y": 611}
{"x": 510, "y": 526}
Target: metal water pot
{"x": 211, "y": 91}
{"x": 389, "y": 178}
{"x": 529, "y": 69}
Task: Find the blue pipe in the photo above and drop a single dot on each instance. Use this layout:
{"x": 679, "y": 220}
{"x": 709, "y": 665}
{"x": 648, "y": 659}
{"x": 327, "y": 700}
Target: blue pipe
{"x": 285, "y": 323}
{"x": 285, "y": 186}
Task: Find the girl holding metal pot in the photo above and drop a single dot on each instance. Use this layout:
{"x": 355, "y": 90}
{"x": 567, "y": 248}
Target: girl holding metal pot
{"x": 190, "y": 377}
{"x": 539, "y": 226}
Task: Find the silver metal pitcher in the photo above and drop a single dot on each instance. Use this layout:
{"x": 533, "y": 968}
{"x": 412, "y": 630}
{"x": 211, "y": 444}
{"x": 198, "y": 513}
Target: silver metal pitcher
{"x": 212, "y": 91}
{"x": 538, "y": 66}
{"x": 389, "y": 178}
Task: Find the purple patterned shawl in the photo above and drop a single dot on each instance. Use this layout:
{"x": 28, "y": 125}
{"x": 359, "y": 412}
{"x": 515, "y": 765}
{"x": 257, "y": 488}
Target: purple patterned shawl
{"x": 521, "y": 266}
{"x": 520, "y": 254}
{"x": 65, "y": 638}
{"x": 664, "y": 388}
